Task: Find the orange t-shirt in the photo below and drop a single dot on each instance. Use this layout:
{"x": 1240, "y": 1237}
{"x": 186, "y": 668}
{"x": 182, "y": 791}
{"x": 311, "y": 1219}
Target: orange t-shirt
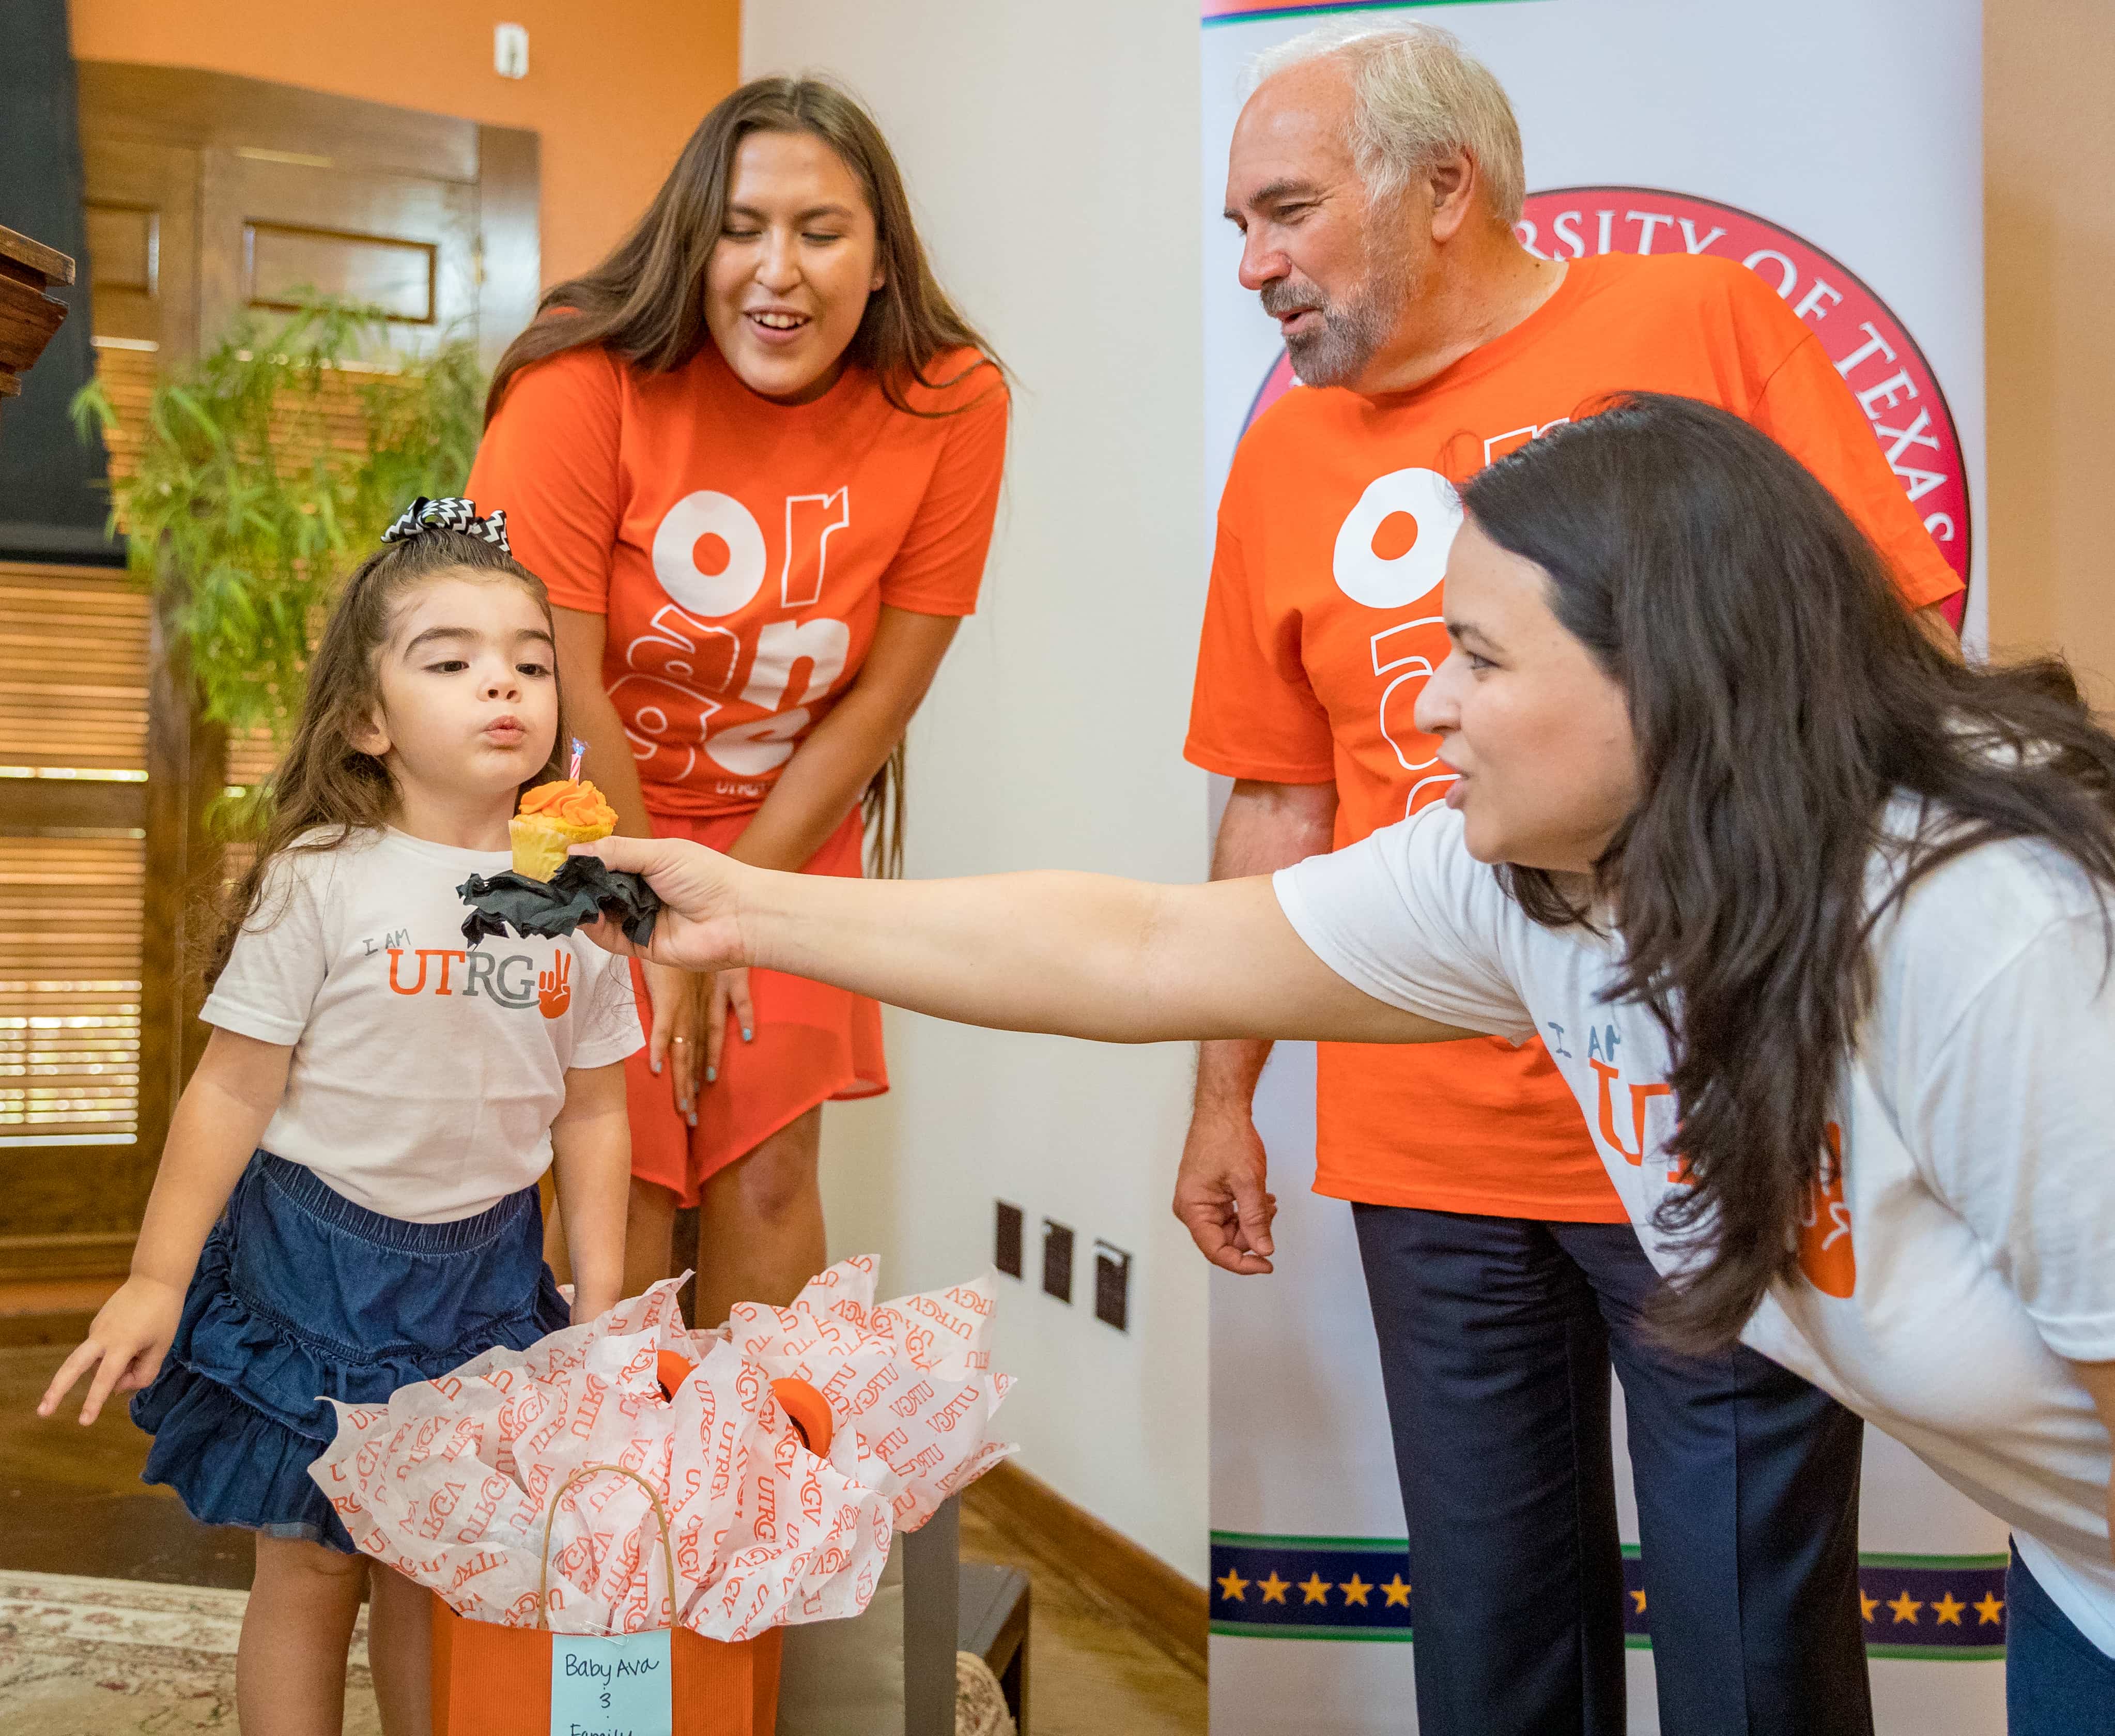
{"x": 740, "y": 549}
{"x": 1324, "y": 622}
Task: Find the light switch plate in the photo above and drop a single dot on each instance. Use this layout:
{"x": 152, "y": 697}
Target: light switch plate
{"x": 509, "y": 50}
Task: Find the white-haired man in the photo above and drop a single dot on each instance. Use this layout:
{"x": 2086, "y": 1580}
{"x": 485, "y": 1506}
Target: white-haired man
{"x": 1376, "y": 179}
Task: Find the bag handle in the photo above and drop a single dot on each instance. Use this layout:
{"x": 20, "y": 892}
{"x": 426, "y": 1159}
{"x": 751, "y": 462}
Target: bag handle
{"x": 550, "y": 1518}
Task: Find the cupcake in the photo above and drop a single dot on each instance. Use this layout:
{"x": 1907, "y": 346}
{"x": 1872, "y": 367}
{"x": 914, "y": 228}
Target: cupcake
{"x": 553, "y": 817}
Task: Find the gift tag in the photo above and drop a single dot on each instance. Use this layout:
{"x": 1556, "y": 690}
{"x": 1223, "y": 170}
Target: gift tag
{"x": 616, "y": 1687}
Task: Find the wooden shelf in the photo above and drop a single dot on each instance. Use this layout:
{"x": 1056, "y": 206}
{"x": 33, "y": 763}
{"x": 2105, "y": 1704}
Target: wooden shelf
{"x": 28, "y": 315}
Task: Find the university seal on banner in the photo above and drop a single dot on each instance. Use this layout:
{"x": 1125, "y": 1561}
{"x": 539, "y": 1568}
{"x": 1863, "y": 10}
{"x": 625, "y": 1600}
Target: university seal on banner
{"x": 1872, "y": 349}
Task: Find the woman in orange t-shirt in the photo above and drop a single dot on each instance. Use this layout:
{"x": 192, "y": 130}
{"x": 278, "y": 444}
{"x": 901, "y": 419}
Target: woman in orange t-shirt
{"x": 755, "y": 455}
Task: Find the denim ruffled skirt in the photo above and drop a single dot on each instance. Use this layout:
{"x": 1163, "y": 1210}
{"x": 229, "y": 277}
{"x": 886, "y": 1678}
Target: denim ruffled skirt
{"x": 301, "y": 1296}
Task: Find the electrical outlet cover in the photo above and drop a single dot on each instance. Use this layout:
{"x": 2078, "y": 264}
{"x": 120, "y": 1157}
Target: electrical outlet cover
{"x": 1112, "y": 1286}
{"x": 509, "y": 50}
{"x": 1057, "y": 1260}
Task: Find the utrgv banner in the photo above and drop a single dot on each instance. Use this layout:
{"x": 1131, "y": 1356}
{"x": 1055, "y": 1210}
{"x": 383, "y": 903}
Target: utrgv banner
{"x": 1834, "y": 148}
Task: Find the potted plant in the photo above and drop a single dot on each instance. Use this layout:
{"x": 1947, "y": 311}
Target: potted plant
{"x": 265, "y": 470}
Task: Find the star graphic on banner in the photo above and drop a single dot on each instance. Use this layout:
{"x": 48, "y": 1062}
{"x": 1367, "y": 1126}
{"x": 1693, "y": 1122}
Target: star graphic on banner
{"x": 1947, "y": 1609}
{"x": 1274, "y": 1589}
{"x": 1990, "y": 1610}
{"x": 1232, "y": 1587}
{"x": 1397, "y": 1592}
{"x": 1867, "y": 1605}
{"x": 1355, "y": 1589}
{"x": 1315, "y": 1589}
{"x": 1640, "y": 1597}
{"x": 1904, "y": 1607}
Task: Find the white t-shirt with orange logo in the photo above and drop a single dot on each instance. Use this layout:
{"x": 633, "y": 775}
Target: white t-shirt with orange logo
{"x": 1964, "y": 1247}
{"x": 425, "y": 1074}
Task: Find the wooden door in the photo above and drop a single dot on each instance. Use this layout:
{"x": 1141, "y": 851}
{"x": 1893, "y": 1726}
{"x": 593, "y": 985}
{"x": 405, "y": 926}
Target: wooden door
{"x": 429, "y": 217}
{"x": 207, "y": 197}
{"x": 96, "y": 831}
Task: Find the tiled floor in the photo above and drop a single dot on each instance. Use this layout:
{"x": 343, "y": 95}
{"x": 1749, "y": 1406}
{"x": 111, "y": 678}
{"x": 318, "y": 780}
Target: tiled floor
{"x": 71, "y": 1502}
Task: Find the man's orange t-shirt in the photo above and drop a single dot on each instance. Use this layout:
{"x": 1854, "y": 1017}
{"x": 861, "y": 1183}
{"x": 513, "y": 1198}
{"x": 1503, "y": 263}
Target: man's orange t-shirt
{"x": 741, "y": 550}
{"x": 1323, "y": 623}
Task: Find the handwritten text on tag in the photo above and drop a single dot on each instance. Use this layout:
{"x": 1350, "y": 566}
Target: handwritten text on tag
{"x": 614, "y": 1686}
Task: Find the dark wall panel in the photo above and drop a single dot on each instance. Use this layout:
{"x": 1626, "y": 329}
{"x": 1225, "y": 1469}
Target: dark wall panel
{"x": 53, "y": 506}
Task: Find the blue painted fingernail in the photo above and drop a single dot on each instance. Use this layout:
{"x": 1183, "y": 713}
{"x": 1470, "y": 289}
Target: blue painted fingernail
{"x": 711, "y": 1074}
{"x": 693, "y": 1118}
{"x": 657, "y": 1068}
{"x": 746, "y": 1033}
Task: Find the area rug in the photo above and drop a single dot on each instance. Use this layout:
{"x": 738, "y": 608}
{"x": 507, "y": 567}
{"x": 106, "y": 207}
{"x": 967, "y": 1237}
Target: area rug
{"x": 113, "y": 1657}
{"x": 979, "y": 1702}
{"x": 123, "y": 1657}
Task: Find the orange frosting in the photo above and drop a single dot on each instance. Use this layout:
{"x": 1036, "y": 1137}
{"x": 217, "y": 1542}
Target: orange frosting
{"x": 569, "y": 804}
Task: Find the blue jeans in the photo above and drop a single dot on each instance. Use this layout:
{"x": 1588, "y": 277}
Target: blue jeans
{"x": 1496, "y": 1337}
{"x": 2057, "y": 1683}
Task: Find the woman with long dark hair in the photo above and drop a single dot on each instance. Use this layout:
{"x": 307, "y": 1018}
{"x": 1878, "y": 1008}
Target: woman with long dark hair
{"x": 1818, "y": 918}
{"x": 755, "y": 454}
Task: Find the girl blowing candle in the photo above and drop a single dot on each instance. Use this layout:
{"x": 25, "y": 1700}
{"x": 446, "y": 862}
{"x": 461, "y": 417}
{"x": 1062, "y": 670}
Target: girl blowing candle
{"x": 347, "y": 1200}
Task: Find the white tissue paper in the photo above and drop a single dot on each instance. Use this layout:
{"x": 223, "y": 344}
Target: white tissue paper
{"x": 448, "y": 1483}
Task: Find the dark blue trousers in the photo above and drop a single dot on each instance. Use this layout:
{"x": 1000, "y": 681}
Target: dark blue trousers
{"x": 2057, "y": 1683}
{"x": 1496, "y": 1339}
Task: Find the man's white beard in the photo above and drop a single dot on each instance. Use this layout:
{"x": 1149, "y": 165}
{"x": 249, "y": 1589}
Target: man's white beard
{"x": 1352, "y": 332}
{"x": 1354, "y": 329}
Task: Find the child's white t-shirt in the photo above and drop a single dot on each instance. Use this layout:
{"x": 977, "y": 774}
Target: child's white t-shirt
{"x": 1967, "y": 1246}
{"x": 426, "y": 1075}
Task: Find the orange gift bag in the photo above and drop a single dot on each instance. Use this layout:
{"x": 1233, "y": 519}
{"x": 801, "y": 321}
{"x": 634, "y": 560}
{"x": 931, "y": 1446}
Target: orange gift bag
{"x": 492, "y": 1680}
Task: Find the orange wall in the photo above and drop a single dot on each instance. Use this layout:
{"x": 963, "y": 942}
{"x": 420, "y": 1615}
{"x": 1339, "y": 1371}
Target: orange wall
{"x": 614, "y": 86}
{"x": 2050, "y": 254}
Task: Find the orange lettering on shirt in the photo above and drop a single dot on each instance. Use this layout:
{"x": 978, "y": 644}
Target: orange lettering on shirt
{"x": 554, "y": 988}
{"x": 445, "y": 956}
{"x": 1825, "y": 1253}
{"x": 396, "y": 952}
{"x": 1641, "y": 1095}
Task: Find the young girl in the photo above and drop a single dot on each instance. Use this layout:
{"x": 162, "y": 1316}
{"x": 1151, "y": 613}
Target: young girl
{"x": 347, "y": 1200}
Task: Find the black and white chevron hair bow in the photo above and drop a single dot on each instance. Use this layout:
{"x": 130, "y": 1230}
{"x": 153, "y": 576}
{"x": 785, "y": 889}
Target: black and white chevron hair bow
{"x": 424, "y": 515}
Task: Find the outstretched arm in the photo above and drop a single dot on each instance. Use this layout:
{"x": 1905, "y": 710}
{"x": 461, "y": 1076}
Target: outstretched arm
{"x": 1074, "y": 954}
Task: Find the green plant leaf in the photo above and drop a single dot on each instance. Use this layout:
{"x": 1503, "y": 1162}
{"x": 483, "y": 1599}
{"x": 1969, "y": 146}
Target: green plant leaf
{"x": 91, "y": 411}
{"x": 246, "y": 515}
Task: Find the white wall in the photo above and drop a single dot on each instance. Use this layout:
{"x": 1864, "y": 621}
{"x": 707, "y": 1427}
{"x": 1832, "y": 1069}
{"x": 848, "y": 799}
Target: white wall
{"x": 1051, "y": 157}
